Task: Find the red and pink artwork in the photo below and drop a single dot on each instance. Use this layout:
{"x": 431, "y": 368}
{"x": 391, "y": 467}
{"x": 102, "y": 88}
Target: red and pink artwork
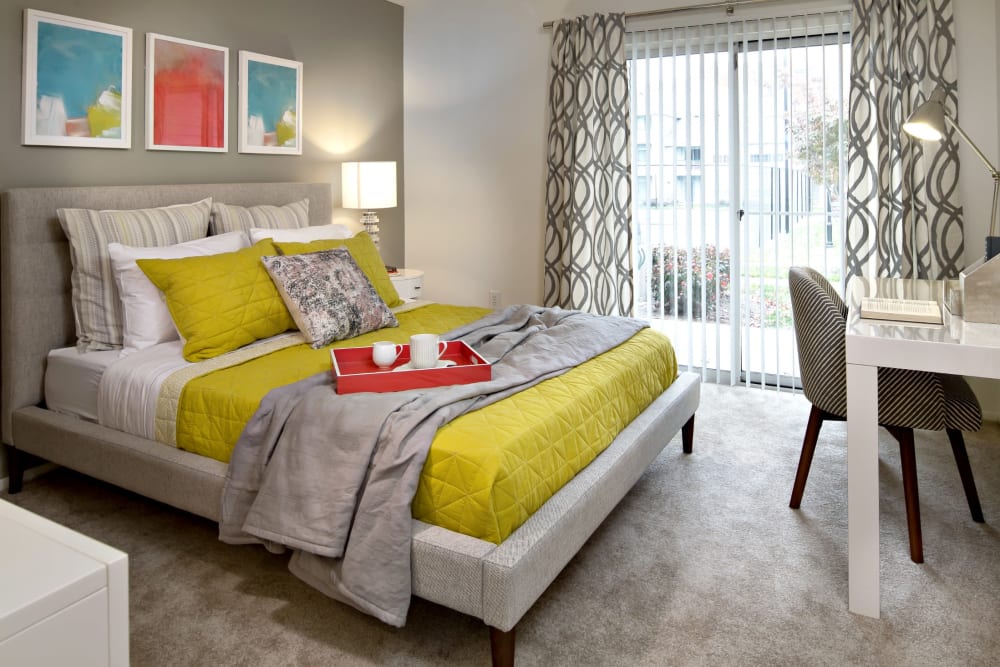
{"x": 186, "y": 95}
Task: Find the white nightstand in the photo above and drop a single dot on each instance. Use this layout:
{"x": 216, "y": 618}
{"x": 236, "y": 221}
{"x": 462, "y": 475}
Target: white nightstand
{"x": 65, "y": 595}
{"x": 408, "y": 282}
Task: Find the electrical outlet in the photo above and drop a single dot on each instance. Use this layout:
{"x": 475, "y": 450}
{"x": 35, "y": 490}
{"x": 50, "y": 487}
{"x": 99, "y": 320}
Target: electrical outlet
{"x": 495, "y": 299}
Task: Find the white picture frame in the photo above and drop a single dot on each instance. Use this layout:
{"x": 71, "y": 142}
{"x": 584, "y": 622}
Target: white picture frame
{"x": 270, "y": 105}
{"x": 187, "y": 95}
{"x": 67, "y": 59}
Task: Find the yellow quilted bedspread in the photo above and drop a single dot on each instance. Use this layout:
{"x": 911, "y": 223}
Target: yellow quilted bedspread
{"x": 486, "y": 471}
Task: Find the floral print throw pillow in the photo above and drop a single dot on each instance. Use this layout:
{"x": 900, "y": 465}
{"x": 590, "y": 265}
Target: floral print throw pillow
{"x": 328, "y": 295}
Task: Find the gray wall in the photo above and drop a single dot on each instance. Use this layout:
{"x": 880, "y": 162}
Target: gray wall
{"x": 352, "y": 55}
{"x": 352, "y": 108}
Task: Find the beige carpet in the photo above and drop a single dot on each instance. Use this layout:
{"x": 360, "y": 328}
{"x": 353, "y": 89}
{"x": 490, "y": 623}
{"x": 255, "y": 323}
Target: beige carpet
{"x": 703, "y": 563}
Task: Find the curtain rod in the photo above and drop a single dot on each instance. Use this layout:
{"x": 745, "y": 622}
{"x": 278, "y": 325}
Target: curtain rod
{"x": 729, "y": 6}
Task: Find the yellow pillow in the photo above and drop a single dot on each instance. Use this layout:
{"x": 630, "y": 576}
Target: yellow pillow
{"x": 364, "y": 252}
{"x": 220, "y": 302}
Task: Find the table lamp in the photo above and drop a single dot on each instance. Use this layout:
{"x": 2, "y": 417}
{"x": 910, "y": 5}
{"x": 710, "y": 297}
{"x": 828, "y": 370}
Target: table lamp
{"x": 368, "y": 186}
{"x": 928, "y": 122}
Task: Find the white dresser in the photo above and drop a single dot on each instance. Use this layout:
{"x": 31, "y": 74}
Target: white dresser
{"x": 63, "y": 596}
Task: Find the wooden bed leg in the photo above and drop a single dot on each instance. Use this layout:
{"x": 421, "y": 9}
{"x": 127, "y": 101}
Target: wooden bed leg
{"x": 687, "y": 435}
{"x": 15, "y": 470}
{"x": 502, "y": 647}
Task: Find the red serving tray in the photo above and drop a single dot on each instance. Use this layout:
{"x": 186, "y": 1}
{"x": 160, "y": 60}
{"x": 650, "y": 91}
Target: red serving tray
{"x": 354, "y": 370}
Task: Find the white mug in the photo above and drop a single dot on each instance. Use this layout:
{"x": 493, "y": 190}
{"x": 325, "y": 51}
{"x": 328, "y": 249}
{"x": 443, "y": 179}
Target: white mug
{"x": 384, "y": 353}
{"x": 425, "y": 350}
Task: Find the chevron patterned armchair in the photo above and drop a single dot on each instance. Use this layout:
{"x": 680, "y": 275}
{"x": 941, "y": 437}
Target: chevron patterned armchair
{"x": 907, "y": 399}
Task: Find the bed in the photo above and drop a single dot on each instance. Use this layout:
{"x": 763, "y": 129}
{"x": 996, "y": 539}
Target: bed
{"x": 497, "y": 583}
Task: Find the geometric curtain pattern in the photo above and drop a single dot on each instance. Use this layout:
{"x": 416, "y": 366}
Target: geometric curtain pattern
{"x": 904, "y": 218}
{"x": 588, "y": 231}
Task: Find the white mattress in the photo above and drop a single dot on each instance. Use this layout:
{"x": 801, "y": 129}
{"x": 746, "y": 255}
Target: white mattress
{"x": 119, "y": 392}
{"x": 72, "y": 380}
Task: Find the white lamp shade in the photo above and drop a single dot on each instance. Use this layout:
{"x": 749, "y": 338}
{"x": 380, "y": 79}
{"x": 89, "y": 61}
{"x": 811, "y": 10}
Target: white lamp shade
{"x": 368, "y": 185}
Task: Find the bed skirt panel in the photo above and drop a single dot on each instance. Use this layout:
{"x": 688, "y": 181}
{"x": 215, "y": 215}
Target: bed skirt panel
{"x": 448, "y": 567}
{"x": 181, "y": 479}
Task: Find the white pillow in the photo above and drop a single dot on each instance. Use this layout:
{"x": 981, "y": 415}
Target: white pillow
{"x": 145, "y": 318}
{"x": 301, "y": 235}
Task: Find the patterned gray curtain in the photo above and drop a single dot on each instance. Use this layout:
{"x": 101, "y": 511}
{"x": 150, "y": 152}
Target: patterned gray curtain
{"x": 588, "y": 233}
{"x": 904, "y": 217}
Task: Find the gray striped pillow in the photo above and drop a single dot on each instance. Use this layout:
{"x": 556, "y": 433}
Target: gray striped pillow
{"x": 97, "y": 306}
{"x": 228, "y": 218}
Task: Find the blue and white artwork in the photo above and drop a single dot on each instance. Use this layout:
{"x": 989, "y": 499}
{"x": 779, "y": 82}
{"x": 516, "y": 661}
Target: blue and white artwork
{"x": 77, "y": 77}
{"x": 270, "y": 105}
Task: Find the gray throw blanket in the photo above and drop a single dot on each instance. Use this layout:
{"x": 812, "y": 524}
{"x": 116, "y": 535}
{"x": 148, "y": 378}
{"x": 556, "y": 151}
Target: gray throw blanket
{"x": 333, "y": 476}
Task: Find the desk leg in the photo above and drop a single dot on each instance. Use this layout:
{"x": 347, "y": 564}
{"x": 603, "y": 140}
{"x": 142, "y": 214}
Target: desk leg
{"x": 862, "y": 490}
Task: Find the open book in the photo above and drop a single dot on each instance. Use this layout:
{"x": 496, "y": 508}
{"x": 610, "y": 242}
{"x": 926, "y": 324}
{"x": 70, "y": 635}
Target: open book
{"x": 901, "y": 310}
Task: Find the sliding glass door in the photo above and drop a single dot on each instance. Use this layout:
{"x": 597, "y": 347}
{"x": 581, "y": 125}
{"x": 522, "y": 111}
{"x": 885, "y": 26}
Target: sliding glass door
{"x": 738, "y": 148}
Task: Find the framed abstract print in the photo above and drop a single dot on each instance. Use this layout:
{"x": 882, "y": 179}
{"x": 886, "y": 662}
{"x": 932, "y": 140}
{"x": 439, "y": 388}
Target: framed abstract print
{"x": 270, "y": 108}
{"x": 187, "y": 95}
{"x": 77, "y": 82}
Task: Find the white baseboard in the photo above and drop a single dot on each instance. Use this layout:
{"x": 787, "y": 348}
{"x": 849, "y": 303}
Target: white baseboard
{"x": 29, "y": 474}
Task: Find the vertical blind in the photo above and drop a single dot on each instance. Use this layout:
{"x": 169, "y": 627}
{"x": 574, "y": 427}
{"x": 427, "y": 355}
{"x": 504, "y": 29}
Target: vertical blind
{"x": 739, "y": 142}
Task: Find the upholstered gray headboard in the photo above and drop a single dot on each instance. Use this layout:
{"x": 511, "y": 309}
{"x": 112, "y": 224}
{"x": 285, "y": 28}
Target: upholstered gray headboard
{"x": 36, "y": 314}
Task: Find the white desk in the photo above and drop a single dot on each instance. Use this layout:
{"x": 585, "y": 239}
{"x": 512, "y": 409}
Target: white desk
{"x": 956, "y": 347}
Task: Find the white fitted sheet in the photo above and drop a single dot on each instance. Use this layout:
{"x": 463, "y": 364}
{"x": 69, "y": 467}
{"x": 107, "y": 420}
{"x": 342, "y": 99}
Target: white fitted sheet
{"x": 72, "y": 380}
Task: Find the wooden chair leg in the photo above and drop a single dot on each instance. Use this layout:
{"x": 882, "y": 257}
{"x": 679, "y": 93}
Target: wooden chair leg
{"x": 805, "y": 459}
{"x": 687, "y": 435}
{"x": 908, "y": 460}
{"x": 15, "y": 470}
{"x": 965, "y": 472}
{"x": 502, "y": 647}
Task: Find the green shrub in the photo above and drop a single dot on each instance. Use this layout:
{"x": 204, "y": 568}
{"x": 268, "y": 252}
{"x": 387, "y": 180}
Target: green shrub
{"x": 700, "y": 282}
